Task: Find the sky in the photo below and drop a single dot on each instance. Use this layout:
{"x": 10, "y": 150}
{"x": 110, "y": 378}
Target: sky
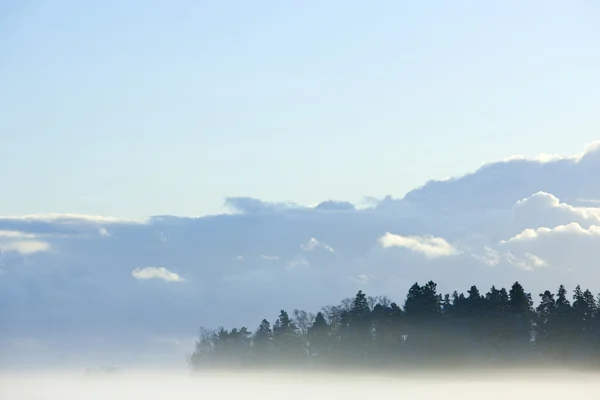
{"x": 140, "y": 108}
{"x": 354, "y": 146}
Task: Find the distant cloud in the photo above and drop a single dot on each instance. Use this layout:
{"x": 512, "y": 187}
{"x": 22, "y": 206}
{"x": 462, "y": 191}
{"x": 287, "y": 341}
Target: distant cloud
{"x": 268, "y": 257}
{"x": 156, "y": 273}
{"x": 361, "y": 279}
{"x": 333, "y": 205}
{"x": 249, "y": 205}
{"x": 565, "y": 230}
{"x": 16, "y": 235}
{"x": 429, "y": 246}
{"x": 22, "y": 243}
{"x": 498, "y": 185}
{"x": 24, "y": 247}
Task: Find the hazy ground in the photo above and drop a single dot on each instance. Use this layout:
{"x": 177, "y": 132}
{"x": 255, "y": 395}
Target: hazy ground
{"x": 172, "y": 386}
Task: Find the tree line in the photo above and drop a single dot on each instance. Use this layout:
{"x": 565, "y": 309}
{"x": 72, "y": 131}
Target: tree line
{"x": 499, "y": 327}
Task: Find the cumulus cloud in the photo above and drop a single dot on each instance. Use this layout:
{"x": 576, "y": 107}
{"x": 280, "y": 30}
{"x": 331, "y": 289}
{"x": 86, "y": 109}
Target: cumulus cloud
{"x": 518, "y": 219}
{"x": 429, "y": 246}
{"x": 566, "y": 231}
{"x": 564, "y": 248}
{"x": 546, "y": 209}
{"x": 156, "y": 273}
{"x": 498, "y": 185}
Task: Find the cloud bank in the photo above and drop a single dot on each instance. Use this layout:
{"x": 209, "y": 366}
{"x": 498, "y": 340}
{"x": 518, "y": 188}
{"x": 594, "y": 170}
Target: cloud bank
{"x": 67, "y": 278}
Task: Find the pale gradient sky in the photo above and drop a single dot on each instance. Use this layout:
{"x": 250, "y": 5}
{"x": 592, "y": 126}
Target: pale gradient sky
{"x": 137, "y": 108}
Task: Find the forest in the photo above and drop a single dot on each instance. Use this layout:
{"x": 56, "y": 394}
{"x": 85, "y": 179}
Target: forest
{"x": 498, "y": 328}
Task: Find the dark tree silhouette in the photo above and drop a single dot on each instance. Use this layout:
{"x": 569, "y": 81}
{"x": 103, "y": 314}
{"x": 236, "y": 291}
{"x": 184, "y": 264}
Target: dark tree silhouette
{"x": 499, "y": 328}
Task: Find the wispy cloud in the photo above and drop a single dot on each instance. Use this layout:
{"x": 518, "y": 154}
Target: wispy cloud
{"x": 313, "y": 244}
{"x": 156, "y": 273}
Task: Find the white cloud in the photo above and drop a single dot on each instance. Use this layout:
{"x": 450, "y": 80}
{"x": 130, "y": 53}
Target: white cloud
{"x": 16, "y": 235}
{"x": 572, "y": 229}
{"x": 546, "y": 209}
{"x": 313, "y": 244}
{"x": 361, "y": 279}
{"x": 429, "y": 246}
{"x": 269, "y": 257}
{"x": 156, "y": 273}
{"x": 498, "y": 185}
{"x": 24, "y": 247}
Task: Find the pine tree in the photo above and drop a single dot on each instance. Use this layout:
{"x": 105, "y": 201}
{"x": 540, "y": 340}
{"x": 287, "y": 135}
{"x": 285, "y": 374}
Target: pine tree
{"x": 519, "y": 320}
{"x": 563, "y": 328}
{"x": 546, "y": 314}
{"x": 318, "y": 336}
{"x": 286, "y": 338}
{"x": 495, "y": 322}
{"x": 262, "y": 342}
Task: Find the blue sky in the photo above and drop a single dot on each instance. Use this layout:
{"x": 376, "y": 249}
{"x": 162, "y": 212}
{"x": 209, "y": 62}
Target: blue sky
{"x": 137, "y": 108}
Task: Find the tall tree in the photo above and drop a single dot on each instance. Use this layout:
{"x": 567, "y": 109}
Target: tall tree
{"x": 563, "y": 326}
{"x": 262, "y": 342}
{"x": 584, "y": 310}
{"x": 356, "y": 328}
{"x": 422, "y": 309}
{"x": 318, "y": 336}
{"x": 286, "y": 338}
{"x": 546, "y": 312}
{"x": 495, "y": 322}
{"x": 519, "y": 321}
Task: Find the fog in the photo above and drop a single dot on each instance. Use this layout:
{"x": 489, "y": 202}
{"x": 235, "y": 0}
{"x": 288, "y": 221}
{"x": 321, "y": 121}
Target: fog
{"x": 175, "y": 386}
